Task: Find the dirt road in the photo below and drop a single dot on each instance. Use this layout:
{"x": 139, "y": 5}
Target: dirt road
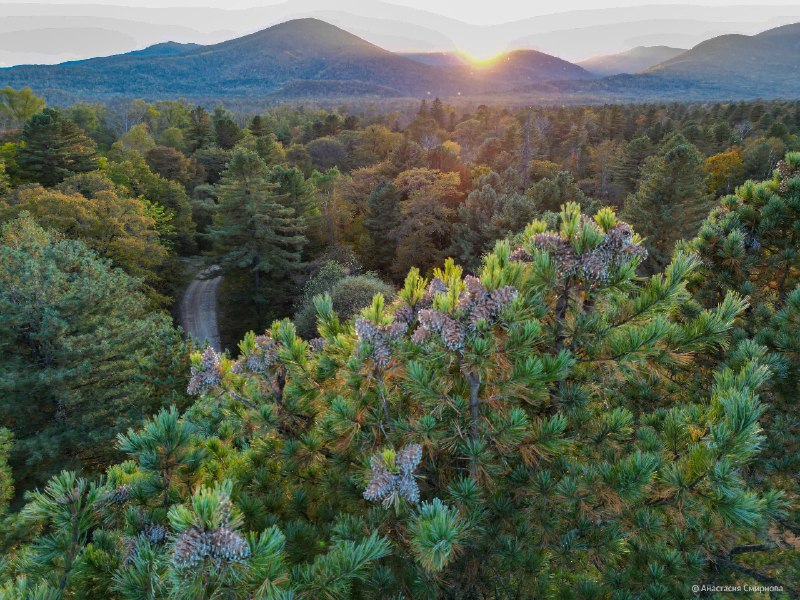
{"x": 198, "y": 310}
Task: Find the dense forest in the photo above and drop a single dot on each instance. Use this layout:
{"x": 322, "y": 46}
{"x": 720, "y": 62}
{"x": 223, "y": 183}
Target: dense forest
{"x": 469, "y": 351}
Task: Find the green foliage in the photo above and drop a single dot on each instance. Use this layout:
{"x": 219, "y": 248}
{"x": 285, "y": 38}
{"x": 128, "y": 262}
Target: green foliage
{"x": 53, "y": 148}
{"x": 551, "y": 423}
{"x": 749, "y": 243}
{"x": 6, "y": 481}
{"x": 17, "y": 106}
{"x": 82, "y": 352}
{"x": 381, "y": 219}
{"x": 671, "y": 200}
{"x": 544, "y": 422}
{"x": 254, "y": 231}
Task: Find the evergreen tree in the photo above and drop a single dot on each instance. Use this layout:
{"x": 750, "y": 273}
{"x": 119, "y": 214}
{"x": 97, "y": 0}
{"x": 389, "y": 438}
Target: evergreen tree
{"x": 553, "y": 423}
{"x": 487, "y": 216}
{"x": 200, "y": 133}
{"x": 750, "y": 244}
{"x": 381, "y": 219}
{"x": 550, "y": 194}
{"x": 671, "y": 200}
{"x": 627, "y": 168}
{"x": 258, "y": 128}
{"x": 226, "y": 132}
{"x": 81, "y": 349}
{"x": 254, "y": 230}
{"x": 53, "y": 149}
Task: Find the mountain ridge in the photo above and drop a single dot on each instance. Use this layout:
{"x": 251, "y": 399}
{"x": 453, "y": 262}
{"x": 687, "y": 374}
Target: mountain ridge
{"x": 310, "y": 58}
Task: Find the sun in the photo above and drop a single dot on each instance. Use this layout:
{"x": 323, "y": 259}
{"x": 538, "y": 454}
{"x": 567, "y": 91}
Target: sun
{"x": 480, "y": 59}
{"x": 481, "y": 52}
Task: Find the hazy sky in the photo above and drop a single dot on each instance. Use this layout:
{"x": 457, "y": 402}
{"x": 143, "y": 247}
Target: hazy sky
{"x": 52, "y": 31}
{"x": 480, "y": 12}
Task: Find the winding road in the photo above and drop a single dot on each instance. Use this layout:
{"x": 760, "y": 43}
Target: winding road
{"x": 198, "y": 309}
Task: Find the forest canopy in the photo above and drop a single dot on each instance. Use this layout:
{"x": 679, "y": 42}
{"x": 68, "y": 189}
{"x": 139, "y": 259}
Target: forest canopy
{"x": 466, "y": 352}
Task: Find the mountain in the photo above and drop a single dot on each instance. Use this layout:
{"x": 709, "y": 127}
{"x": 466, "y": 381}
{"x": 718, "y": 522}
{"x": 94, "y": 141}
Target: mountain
{"x": 299, "y": 58}
{"x": 524, "y": 67}
{"x": 164, "y": 49}
{"x": 631, "y": 61}
{"x": 437, "y": 59}
{"x": 303, "y": 50}
{"x": 768, "y": 63}
{"x": 52, "y": 31}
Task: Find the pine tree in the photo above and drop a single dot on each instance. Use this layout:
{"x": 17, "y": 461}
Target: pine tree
{"x": 258, "y": 128}
{"x": 671, "y": 200}
{"x": 201, "y": 130}
{"x": 81, "y": 349}
{"x": 253, "y": 230}
{"x": 750, "y": 243}
{"x": 627, "y": 169}
{"x": 552, "y": 423}
{"x": 53, "y": 149}
{"x": 381, "y": 219}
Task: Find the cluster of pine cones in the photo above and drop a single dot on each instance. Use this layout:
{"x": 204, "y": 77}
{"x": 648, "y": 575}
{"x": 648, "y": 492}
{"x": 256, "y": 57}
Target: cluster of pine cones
{"x": 476, "y": 305}
{"x": 379, "y": 338}
{"x": 194, "y": 545}
{"x": 593, "y": 264}
{"x": 119, "y": 495}
{"x": 206, "y": 375}
{"x": 387, "y": 483}
{"x": 261, "y": 359}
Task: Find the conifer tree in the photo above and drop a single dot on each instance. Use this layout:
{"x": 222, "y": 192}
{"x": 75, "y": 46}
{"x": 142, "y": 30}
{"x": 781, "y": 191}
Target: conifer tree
{"x": 381, "y": 219}
{"x": 671, "y": 200}
{"x": 201, "y": 130}
{"x": 550, "y": 423}
{"x": 53, "y": 149}
{"x": 81, "y": 349}
{"x": 253, "y": 230}
{"x": 750, "y": 243}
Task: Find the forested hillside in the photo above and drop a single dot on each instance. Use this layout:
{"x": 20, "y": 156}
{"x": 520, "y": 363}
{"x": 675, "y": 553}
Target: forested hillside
{"x": 469, "y": 352}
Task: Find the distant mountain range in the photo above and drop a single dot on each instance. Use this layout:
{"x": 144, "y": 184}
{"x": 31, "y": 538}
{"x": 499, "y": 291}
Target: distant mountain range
{"x": 309, "y": 58}
{"x": 54, "y": 31}
{"x": 634, "y": 60}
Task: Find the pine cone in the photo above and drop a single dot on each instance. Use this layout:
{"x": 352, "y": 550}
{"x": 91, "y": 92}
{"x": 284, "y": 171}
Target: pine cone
{"x": 595, "y": 266}
{"x": 228, "y": 545}
{"x": 155, "y": 534}
{"x": 119, "y": 495}
{"x": 482, "y": 311}
{"x": 453, "y": 335}
{"x": 381, "y": 484}
{"x": 407, "y": 487}
{"x": 520, "y": 255}
{"x": 207, "y": 374}
{"x": 404, "y": 314}
{"x": 409, "y": 457}
{"x": 381, "y": 353}
{"x": 191, "y": 548}
{"x": 317, "y": 344}
{"x": 366, "y": 330}
{"x": 503, "y": 297}
{"x": 420, "y": 335}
